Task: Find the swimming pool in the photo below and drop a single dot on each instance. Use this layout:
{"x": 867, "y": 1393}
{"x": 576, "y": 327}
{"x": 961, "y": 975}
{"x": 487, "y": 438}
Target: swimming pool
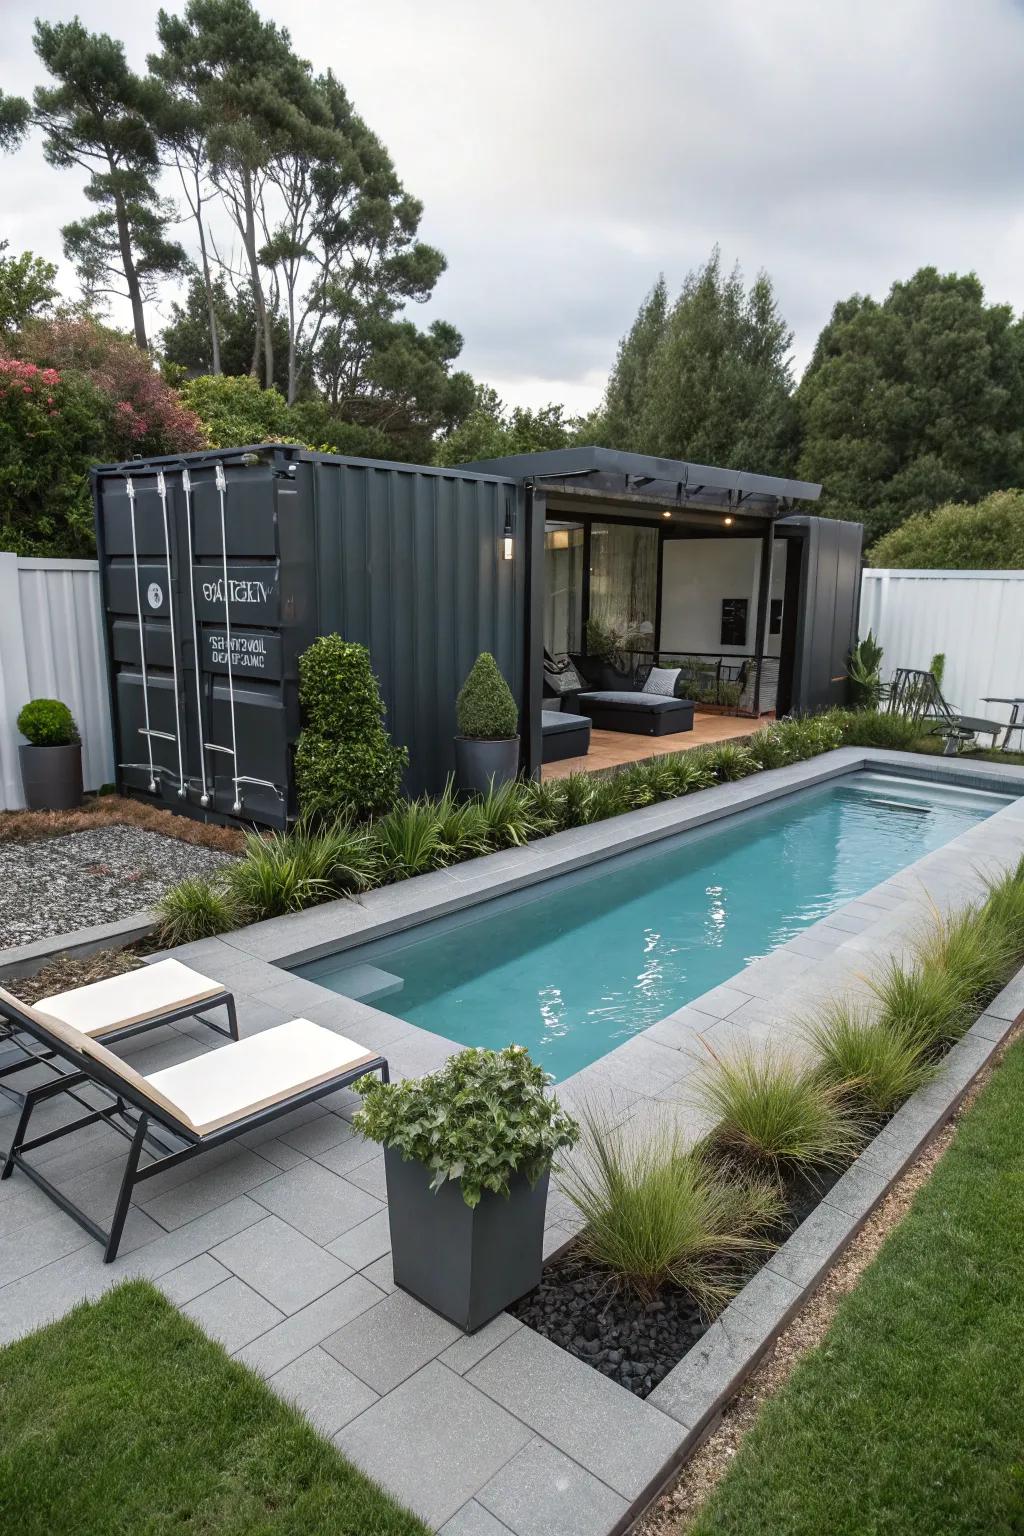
{"x": 573, "y": 966}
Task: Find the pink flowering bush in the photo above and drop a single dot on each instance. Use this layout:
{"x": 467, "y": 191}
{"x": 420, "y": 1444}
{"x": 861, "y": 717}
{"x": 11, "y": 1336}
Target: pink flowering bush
{"x": 51, "y": 429}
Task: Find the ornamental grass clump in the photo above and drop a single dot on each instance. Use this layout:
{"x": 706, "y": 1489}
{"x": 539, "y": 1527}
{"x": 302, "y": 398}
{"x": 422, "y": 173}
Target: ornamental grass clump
{"x": 194, "y": 909}
{"x": 972, "y": 952}
{"x": 657, "y": 1214}
{"x": 462, "y": 828}
{"x": 1004, "y": 907}
{"x": 507, "y": 813}
{"x": 485, "y": 708}
{"x": 408, "y": 840}
{"x": 289, "y": 871}
{"x": 774, "y": 1110}
{"x": 870, "y": 1061}
{"x": 481, "y": 1120}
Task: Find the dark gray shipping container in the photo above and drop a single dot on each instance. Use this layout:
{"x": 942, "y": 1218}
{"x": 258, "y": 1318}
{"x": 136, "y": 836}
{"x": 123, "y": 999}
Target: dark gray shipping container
{"x": 219, "y": 569}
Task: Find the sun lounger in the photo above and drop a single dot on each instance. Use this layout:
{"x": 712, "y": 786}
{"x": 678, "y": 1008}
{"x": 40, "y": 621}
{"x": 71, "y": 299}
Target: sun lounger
{"x": 121, "y": 1006}
{"x": 203, "y": 1102}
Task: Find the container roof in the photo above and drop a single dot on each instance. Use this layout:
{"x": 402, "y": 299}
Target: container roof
{"x": 671, "y": 481}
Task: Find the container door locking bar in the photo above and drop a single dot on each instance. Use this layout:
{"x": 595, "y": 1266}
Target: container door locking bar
{"x": 186, "y": 486}
{"x": 130, "y": 486}
{"x": 161, "y": 486}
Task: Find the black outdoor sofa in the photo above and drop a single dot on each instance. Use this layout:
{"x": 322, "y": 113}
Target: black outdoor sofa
{"x": 174, "y": 1114}
{"x": 624, "y": 706}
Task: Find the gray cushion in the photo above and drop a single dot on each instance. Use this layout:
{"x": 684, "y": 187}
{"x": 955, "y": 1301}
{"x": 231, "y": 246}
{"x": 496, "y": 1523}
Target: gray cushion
{"x": 553, "y": 722}
{"x": 662, "y": 681}
{"x": 651, "y": 702}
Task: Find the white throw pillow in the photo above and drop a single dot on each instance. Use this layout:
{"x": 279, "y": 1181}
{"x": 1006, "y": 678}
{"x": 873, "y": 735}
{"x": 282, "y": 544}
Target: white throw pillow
{"x": 662, "y": 680}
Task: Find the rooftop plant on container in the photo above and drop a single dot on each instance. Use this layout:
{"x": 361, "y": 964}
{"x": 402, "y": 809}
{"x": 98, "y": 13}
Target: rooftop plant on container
{"x": 487, "y": 746}
{"x": 468, "y": 1152}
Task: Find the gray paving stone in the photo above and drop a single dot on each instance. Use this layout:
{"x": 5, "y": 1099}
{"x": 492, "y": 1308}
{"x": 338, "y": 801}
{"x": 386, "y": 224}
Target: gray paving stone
{"x": 238, "y": 1174}
{"x": 858, "y": 1191}
{"x": 390, "y": 1341}
{"x": 814, "y": 1245}
{"x": 49, "y": 1237}
{"x": 473, "y": 1520}
{"x": 888, "y": 1155}
{"x": 606, "y": 1429}
{"x": 232, "y": 1313}
{"x": 285, "y": 1342}
{"x": 695, "y": 1389}
{"x": 768, "y": 1299}
{"x": 319, "y": 1134}
{"x": 317, "y": 1202}
{"x": 452, "y": 1438}
{"x": 381, "y": 1272}
{"x": 541, "y": 1492}
{"x": 470, "y": 1348}
{"x": 371, "y": 1177}
{"x": 361, "y": 1245}
{"x": 192, "y": 1278}
{"x": 282, "y": 1265}
{"x": 281, "y": 1154}
{"x": 990, "y": 1027}
{"x": 326, "y": 1393}
{"x": 721, "y": 1001}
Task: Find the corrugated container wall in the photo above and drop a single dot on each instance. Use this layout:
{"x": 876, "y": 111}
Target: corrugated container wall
{"x": 241, "y": 558}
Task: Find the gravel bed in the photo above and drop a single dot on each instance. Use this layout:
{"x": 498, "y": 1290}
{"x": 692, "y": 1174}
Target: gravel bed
{"x": 58, "y": 884}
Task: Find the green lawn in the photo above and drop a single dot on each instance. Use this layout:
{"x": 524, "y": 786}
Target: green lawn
{"x": 123, "y": 1418}
{"x": 910, "y": 1417}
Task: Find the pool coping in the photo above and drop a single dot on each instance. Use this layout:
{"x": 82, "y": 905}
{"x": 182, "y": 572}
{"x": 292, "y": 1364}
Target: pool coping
{"x": 683, "y": 1409}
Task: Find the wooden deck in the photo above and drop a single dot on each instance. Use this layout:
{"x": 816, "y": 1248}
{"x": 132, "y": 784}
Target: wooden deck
{"x": 613, "y": 749}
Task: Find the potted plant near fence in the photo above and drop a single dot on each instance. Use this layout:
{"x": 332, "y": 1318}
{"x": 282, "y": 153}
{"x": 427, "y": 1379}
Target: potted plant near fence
{"x": 51, "y": 763}
{"x": 467, "y": 1153}
{"x": 487, "y": 746}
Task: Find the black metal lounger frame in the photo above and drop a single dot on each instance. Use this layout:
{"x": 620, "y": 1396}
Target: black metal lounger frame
{"x": 130, "y": 1115}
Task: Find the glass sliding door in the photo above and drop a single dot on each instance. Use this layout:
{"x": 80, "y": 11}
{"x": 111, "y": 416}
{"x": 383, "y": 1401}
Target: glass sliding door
{"x": 624, "y": 583}
{"x": 563, "y": 588}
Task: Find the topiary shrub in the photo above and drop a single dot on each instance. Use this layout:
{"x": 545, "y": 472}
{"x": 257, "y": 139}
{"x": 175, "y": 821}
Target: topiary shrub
{"x": 345, "y": 762}
{"x": 48, "y": 723}
{"x": 485, "y": 708}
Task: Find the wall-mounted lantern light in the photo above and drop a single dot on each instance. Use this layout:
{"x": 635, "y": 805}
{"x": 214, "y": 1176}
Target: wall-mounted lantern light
{"x": 506, "y": 539}
{"x": 727, "y": 521}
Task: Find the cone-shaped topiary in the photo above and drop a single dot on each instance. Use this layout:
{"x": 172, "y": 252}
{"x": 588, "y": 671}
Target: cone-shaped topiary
{"x": 485, "y": 708}
{"x": 345, "y": 762}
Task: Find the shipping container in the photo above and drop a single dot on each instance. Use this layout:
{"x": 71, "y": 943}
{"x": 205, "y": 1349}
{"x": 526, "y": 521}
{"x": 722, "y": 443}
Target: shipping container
{"x": 219, "y": 569}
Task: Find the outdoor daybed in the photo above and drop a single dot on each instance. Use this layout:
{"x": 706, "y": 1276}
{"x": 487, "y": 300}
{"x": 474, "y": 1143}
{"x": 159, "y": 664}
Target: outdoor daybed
{"x": 643, "y": 714}
{"x": 199, "y": 1104}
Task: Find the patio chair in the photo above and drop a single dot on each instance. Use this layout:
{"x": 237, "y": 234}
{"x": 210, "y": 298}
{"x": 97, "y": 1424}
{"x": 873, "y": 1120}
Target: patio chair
{"x": 121, "y": 1006}
{"x": 917, "y": 696}
{"x": 202, "y": 1103}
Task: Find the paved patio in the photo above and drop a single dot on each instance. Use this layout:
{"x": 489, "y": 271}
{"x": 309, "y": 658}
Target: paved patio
{"x": 279, "y": 1245}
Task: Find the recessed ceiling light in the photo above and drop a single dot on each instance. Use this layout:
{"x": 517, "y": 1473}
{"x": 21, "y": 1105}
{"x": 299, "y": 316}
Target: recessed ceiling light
{"x": 728, "y": 522}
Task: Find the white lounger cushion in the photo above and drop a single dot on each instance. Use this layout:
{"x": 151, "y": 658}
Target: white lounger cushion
{"x": 237, "y": 1080}
{"x": 120, "y": 1001}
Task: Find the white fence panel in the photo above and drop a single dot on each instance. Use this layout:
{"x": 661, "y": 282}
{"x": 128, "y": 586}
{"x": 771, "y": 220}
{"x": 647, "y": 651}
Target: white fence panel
{"x": 51, "y": 646}
{"x": 976, "y": 618}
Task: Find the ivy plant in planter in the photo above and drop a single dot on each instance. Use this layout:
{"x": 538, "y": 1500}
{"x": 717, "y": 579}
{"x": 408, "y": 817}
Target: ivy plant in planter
{"x": 468, "y": 1153}
{"x": 487, "y": 746}
{"x": 51, "y": 763}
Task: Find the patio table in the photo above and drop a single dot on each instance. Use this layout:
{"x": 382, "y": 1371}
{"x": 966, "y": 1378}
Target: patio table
{"x": 1016, "y": 718}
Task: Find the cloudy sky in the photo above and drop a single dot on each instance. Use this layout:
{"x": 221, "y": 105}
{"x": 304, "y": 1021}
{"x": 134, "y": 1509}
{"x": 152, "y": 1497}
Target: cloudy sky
{"x": 567, "y": 151}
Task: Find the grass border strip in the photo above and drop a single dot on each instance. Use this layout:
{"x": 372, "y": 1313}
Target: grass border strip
{"x": 695, "y": 1391}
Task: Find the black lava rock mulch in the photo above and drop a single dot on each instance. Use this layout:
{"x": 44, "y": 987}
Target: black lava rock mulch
{"x": 579, "y": 1307}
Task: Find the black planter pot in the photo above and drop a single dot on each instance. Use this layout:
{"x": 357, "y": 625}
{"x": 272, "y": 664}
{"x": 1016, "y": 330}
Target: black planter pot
{"x": 466, "y": 1264}
{"x": 52, "y": 777}
{"x": 479, "y": 763}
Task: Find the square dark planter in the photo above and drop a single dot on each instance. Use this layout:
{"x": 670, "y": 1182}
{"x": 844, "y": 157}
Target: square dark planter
{"x": 466, "y": 1264}
{"x": 52, "y": 776}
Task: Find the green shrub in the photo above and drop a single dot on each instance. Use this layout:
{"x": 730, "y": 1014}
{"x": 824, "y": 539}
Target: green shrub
{"x": 345, "y": 763}
{"x": 937, "y": 668}
{"x": 408, "y": 840}
{"x": 771, "y": 1108}
{"x": 507, "y": 812}
{"x": 289, "y": 871}
{"x": 772, "y": 746}
{"x": 864, "y": 670}
{"x": 48, "y": 723}
{"x": 656, "y": 1214}
{"x": 988, "y": 536}
{"x": 485, "y": 708}
{"x": 877, "y": 728}
{"x": 872, "y": 1061}
{"x": 578, "y": 798}
{"x": 546, "y": 805}
{"x": 917, "y": 1002}
{"x": 482, "y": 1119}
{"x": 194, "y": 909}
{"x": 728, "y": 761}
{"x": 462, "y": 827}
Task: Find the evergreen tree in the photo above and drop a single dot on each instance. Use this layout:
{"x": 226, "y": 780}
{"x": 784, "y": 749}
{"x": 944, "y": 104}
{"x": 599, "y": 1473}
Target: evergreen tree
{"x": 914, "y": 402}
{"x": 626, "y": 396}
{"x": 99, "y": 116}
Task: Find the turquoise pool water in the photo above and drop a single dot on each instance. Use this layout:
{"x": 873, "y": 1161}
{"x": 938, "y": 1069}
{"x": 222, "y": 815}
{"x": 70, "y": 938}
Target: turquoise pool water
{"x": 574, "y": 966}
